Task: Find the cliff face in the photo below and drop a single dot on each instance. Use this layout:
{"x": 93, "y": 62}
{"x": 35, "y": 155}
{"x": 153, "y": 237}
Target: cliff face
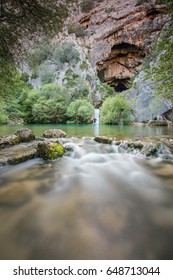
{"x": 120, "y": 34}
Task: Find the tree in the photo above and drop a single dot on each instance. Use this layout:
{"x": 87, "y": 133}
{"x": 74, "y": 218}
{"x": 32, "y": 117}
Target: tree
{"x": 116, "y": 110}
{"x": 24, "y": 21}
{"x": 80, "y": 111}
{"x": 20, "y": 19}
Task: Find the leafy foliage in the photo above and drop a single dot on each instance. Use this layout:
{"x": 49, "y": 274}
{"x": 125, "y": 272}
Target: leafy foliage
{"x": 87, "y": 5}
{"x": 65, "y": 53}
{"x": 77, "y": 29}
{"x": 160, "y": 72}
{"x": 116, "y": 110}
{"x": 80, "y": 111}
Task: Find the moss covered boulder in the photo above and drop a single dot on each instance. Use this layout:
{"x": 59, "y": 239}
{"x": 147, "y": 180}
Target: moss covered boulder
{"x": 49, "y": 150}
{"x": 25, "y": 135}
{"x": 54, "y": 133}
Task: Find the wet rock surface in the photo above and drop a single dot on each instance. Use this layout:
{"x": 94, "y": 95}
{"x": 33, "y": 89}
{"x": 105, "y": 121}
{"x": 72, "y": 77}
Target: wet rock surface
{"x": 17, "y": 154}
{"x": 8, "y": 141}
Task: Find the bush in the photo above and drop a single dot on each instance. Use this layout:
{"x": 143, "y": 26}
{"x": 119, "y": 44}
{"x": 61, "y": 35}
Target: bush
{"x": 80, "y": 111}
{"x": 40, "y": 53}
{"x": 77, "y": 29}
{"x": 65, "y": 53}
{"x": 116, "y": 110}
{"x": 46, "y": 73}
{"x": 87, "y": 5}
{"x": 3, "y": 115}
{"x": 48, "y": 105}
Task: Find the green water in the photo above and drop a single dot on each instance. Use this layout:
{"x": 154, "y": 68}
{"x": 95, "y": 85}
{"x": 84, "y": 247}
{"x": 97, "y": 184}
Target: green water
{"x": 92, "y": 130}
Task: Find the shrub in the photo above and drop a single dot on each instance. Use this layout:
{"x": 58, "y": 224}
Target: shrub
{"x": 3, "y": 115}
{"x": 40, "y": 53}
{"x": 87, "y": 5}
{"x": 65, "y": 53}
{"x": 77, "y": 29}
{"x": 46, "y": 73}
{"x": 116, "y": 110}
{"x": 80, "y": 111}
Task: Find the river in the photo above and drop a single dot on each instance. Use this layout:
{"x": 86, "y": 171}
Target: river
{"x": 80, "y": 130}
{"x": 94, "y": 203}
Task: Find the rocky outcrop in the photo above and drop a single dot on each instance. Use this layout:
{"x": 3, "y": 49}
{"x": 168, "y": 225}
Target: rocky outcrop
{"x": 145, "y": 104}
{"x": 9, "y": 140}
{"x": 120, "y": 34}
{"x": 18, "y": 153}
{"x": 22, "y": 135}
{"x": 157, "y": 123}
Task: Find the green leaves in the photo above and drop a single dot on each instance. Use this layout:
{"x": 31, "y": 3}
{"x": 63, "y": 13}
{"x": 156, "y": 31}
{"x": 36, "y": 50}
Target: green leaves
{"x": 80, "y": 111}
{"x": 116, "y": 110}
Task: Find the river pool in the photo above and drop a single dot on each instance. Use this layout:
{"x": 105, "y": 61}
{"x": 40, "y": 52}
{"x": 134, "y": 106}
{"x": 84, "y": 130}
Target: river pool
{"x": 80, "y": 130}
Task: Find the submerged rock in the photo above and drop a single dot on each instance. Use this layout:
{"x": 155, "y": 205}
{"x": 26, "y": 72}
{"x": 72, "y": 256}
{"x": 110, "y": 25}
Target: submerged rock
{"x": 54, "y": 133}
{"x": 49, "y": 150}
{"x": 8, "y": 141}
{"x": 25, "y": 135}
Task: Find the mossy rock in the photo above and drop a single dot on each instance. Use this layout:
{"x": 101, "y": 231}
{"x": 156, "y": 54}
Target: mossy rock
{"x": 48, "y": 150}
{"x": 25, "y": 135}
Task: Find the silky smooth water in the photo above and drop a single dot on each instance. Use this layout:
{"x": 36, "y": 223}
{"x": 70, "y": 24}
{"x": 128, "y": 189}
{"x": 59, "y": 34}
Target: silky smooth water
{"x": 94, "y": 203}
{"x": 80, "y": 130}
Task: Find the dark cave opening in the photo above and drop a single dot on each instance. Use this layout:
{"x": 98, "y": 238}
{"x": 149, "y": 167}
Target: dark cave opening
{"x": 119, "y": 87}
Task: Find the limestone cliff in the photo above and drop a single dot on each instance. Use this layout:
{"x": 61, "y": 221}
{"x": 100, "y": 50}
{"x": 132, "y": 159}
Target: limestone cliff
{"x": 120, "y": 34}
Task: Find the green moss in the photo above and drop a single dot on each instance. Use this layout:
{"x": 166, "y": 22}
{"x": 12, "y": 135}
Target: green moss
{"x": 56, "y": 151}
{"x": 50, "y": 151}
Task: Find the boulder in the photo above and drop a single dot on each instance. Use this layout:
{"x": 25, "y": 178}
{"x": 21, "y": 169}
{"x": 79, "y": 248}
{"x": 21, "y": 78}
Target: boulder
{"x": 50, "y": 150}
{"x": 54, "y": 133}
{"x": 25, "y": 135}
{"x": 8, "y": 141}
{"x": 157, "y": 123}
{"x": 103, "y": 139}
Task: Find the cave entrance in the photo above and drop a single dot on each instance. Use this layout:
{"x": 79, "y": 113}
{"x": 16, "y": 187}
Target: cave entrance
{"x": 120, "y": 85}
{"x": 121, "y": 65}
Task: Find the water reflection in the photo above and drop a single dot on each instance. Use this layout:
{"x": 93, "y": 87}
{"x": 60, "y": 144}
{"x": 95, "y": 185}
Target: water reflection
{"x": 87, "y": 130}
{"x": 96, "y": 129}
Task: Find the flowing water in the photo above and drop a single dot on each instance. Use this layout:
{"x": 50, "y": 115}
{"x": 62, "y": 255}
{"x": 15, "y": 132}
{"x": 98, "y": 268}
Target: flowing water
{"x": 94, "y": 203}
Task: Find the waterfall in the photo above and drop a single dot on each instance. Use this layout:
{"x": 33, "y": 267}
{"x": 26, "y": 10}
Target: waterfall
{"x": 96, "y": 116}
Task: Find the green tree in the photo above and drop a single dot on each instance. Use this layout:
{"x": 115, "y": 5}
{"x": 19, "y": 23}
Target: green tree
{"x": 80, "y": 111}
{"x": 116, "y": 110}
{"x": 65, "y": 53}
{"x": 21, "y": 22}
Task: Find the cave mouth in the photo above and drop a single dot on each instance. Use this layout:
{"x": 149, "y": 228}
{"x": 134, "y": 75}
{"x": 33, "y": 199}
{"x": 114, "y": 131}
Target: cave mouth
{"x": 123, "y": 61}
{"x": 120, "y": 85}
